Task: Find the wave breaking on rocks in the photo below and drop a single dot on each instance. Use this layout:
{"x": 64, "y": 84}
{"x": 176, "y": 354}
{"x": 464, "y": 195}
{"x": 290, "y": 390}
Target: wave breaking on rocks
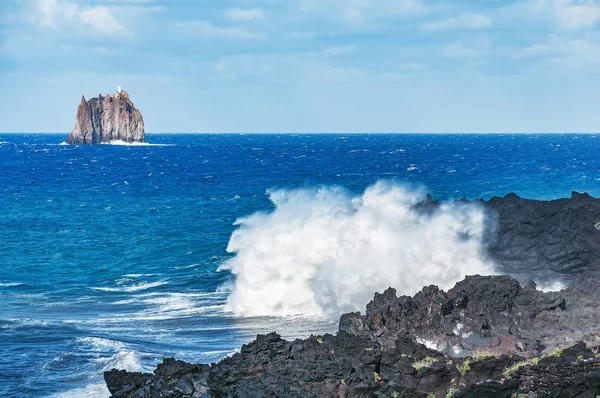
{"x": 488, "y": 336}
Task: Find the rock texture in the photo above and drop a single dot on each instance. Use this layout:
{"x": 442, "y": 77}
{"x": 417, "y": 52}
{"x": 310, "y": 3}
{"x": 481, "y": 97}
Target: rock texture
{"x": 547, "y": 239}
{"x": 559, "y": 237}
{"x": 106, "y": 119}
{"x": 488, "y": 336}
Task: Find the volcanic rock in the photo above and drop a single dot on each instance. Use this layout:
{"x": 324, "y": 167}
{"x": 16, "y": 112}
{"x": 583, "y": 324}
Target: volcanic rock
{"x": 106, "y": 119}
{"x": 553, "y": 239}
{"x": 488, "y": 336}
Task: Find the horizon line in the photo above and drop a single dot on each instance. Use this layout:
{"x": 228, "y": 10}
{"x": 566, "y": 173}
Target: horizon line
{"x": 334, "y": 132}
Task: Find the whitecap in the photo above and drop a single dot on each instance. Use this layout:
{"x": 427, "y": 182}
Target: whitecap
{"x": 126, "y": 302}
{"x": 125, "y": 143}
{"x": 123, "y": 360}
{"x": 98, "y": 390}
{"x": 189, "y": 266}
{"x": 167, "y": 312}
{"x": 163, "y": 306}
{"x": 128, "y": 289}
{"x": 10, "y": 284}
{"x": 99, "y": 343}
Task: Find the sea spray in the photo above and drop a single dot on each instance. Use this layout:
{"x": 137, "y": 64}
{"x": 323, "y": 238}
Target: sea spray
{"x": 324, "y": 251}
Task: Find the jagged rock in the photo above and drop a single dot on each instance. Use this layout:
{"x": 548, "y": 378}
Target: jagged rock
{"x": 123, "y": 383}
{"x": 548, "y": 238}
{"x": 488, "y": 336}
{"x": 106, "y": 119}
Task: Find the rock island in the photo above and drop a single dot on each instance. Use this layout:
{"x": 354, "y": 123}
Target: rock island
{"x": 107, "y": 119}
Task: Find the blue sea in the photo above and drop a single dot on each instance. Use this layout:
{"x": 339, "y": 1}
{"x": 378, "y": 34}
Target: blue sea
{"x": 117, "y": 255}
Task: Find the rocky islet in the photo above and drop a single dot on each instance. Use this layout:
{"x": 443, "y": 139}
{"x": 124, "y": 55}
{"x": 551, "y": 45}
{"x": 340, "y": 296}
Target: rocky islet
{"x": 106, "y": 119}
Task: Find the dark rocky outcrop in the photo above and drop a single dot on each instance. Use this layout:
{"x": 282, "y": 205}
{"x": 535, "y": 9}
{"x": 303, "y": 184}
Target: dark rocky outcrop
{"x": 488, "y": 336}
{"x": 106, "y": 119}
{"x": 549, "y": 238}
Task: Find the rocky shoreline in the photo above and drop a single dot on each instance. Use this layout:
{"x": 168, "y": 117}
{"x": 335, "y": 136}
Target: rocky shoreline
{"x": 488, "y": 336}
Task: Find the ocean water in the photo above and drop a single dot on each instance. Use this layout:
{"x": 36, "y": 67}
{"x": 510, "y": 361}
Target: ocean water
{"x": 117, "y": 255}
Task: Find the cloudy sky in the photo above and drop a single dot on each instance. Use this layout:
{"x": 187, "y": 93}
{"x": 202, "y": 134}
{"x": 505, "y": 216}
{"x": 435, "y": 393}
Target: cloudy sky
{"x": 306, "y": 65}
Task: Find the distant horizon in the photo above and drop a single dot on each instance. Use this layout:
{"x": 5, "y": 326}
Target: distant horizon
{"x": 331, "y": 133}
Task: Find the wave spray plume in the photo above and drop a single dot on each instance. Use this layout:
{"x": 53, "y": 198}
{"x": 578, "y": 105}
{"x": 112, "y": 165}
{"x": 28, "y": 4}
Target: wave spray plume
{"x": 324, "y": 251}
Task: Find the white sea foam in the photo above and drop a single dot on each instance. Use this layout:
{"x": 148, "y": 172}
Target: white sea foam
{"x": 551, "y": 286}
{"x": 128, "y": 289}
{"x": 172, "y": 311}
{"x": 98, "y": 343}
{"x": 137, "y": 275}
{"x": 127, "y": 360}
{"x": 123, "y": 360}
{"x": 324, "y": 251}
{"x": 90, "y": 391}
{"x": 125, "y": 143}
{"x": 163, "y": 306}
{"x": 429, "y": 344}
{"x": 10, "y": 284}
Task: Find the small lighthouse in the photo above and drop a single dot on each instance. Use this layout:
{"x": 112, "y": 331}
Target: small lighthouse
{"x": 119, "y": 89}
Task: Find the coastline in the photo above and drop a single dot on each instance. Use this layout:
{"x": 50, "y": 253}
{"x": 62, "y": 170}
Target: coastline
{"x": 487, "y": 336}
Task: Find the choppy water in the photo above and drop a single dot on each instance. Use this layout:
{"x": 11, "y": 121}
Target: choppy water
{"x": 109, "y": 254}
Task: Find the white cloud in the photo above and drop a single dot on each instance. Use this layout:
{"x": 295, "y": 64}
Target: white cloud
{"x": 569, "y": 14}
{"x": 238, "y": 14}
{"x": 467, "y": 21}
{"x": 362, "y": 11}
{"x": 50, "y": 10}
{"x": 59, "y": 13}
{"x": 459, "y": 50}
{"x": 555, "y": 45}
{"x": 538, "y": 50}
{"x": 207, "y": 28}
{"x": 580, "y": 53}
{"x": 130, "y": 1}
{"x": 101, "y": 20}
{"x": 331, "y": 51}
{"x": 301, "y": 35}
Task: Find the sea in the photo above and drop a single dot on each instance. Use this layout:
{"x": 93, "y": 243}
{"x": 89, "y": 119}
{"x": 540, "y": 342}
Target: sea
{"x": 115, "y": 256}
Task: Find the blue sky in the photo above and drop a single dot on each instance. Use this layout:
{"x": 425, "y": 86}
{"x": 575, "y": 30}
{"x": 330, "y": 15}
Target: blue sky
{"x": 306, "y": 65}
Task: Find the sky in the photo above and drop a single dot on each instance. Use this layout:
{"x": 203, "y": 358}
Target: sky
{"x": 305, "y": 65}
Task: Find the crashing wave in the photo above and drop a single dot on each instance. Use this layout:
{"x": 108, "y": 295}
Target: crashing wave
{"x": 325, "y": 251}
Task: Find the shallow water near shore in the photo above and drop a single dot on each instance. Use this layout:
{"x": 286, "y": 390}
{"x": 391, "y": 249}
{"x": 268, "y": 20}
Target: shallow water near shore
{"x": 109, "y": 255}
